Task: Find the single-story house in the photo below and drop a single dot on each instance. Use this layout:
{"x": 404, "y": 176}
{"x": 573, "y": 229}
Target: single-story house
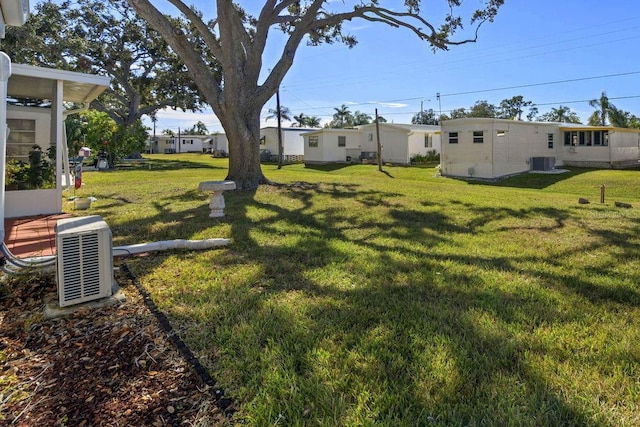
{"x": 399, "y": 143}
{"x": 292, "y": 143}
{"x": 168, "y": 144}
{"x": 43, "y": 126}
{"x": 493, "y": 148}
{"x": 216, "y": 144}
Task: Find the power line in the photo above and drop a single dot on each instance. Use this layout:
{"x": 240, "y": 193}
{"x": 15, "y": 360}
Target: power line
{"x": 541, "y": 84}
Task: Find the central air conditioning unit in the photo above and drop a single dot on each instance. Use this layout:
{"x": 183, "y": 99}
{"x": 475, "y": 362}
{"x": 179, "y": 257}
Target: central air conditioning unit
{"x": 543, "y": 163}
{"x": 84, "y": 260}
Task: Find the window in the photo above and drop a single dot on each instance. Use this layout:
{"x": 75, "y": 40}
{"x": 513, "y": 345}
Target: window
{"x": 370, "y": 137}
{"x": 550, "y": 140}
{"x": 263, "y": 140}
{"x": 428, "y": 140}
{"x": 501, "y": 133}
{"x": 597, "y": 138}
{"x": 605, "y": 137}
{"x": 313, "y": 141}
{"x": 453, "y": 137}
{"x": 478, "y": 137}
{"x": 581, "y": 138}
{"x": 21, "y": 138}
{"x": 342, "y": 141}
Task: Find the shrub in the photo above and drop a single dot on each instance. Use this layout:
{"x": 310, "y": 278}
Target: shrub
{"x": 430, "y": 156}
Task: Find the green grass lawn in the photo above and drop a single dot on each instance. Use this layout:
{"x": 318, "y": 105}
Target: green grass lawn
{"x": 353, "y": 297}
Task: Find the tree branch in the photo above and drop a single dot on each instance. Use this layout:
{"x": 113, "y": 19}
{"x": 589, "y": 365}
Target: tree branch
{"x": 198, "y": 69}
{"x": 204, "y": 30}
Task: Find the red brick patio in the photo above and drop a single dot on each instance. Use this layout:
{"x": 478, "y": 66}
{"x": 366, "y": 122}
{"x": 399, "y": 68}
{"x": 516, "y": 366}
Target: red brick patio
{"x": 31, "y": 236}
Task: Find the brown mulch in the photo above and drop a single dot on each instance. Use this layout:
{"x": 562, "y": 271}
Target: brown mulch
{"x": 112, "y": 366}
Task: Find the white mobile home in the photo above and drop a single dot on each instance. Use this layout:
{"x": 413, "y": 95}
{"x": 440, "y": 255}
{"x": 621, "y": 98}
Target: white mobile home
{"x": 494, "y": 148}
{"x": 332, "y": 146}
{"x": 292, "y": 143}
{"x": 216, "y": 144}
{"x": 599, "y": 146}
{"x": 399, "y": 143}
{"x": 168, "y": 144}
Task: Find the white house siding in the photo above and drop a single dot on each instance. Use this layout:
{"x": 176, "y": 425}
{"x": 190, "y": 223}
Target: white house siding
{"x": 521, "y": 142}
{"x": 466, "y": 158}
{"x": 328, "y": 150}
{"x": 292, "y": 142}
{"x": 28, "y": 126}
{"x": 508, "y": 147}
{"x": 216, "y": 144}
{"x": 624, "y": 147}
{"x": 621, "y": 149}
{"x": 399, "y": 143}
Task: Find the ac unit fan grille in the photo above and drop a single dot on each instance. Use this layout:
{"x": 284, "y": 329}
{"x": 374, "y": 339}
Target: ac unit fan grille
{"x": 84, "y": 262}
{"x": 81, "y": 269}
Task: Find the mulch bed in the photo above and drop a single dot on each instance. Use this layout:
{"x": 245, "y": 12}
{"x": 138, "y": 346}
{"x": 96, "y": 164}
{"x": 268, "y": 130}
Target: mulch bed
{"x": 113, "y": 366}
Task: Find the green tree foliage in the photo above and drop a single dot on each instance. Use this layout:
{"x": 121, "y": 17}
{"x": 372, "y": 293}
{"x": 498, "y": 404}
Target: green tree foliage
{"x": 101, "y": 132}
{"x": 561, "y": 114}
{"x": 427, "y": 117}
{"x": 108, "y": 38}
{"x": 304, "y": 121}
{"x": 198, "y": 129}
{"x": 342, "y": 118}
{"x": 603, "y": 107}
{"x": 236, "y": 85}
{"x": 513, "y": 108}
{"x": 482, "y": 109}
{"x": 360, "y": 118}
{"x": 285, "y": 113}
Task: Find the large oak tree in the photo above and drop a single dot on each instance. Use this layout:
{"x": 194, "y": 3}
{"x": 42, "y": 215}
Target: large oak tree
{"x": 107, "y": 38}
{"x": 235, "y": 90}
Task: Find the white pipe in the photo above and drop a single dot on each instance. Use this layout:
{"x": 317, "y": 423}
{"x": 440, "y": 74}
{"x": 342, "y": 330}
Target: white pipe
{"x": 5, "y": 73}
{"x": 169, "y": 244}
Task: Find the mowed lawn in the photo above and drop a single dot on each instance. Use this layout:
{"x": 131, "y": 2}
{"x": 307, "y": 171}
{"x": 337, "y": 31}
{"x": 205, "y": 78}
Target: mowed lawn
{"x": 353, "y": 297}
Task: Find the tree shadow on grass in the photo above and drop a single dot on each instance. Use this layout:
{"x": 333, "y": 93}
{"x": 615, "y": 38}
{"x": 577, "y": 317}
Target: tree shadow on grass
{"x": 177, "y": 164}
{"x": 356, "y": 321}
{"x": 385, "y": 330}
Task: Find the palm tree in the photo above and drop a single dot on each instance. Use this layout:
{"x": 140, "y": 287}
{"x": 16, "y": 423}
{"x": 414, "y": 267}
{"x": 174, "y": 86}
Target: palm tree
{"x": 301, "y": 120}
{"x": 561, "y": 114}
{"x": 313, "y": 122}
{"x": 342, "y": 117}
{"x": 285, "y": 113}
{"x": 360, "y": 118}
{"x": 599, "y": 118}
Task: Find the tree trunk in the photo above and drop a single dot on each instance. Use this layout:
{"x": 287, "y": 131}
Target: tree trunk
{"x": 243, "y": 134}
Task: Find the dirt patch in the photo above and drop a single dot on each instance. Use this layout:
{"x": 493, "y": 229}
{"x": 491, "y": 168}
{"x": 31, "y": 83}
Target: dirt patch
{"x": 112, "y": 366}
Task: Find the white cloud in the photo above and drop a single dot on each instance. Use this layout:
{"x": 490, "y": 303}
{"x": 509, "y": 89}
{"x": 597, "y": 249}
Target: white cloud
{"x": 393, "y": 104}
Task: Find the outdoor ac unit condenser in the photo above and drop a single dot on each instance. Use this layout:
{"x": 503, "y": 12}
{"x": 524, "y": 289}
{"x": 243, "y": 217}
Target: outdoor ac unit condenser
{"x": 84, "y": 260}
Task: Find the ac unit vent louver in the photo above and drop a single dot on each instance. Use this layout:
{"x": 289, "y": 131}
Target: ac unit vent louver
{"x": 84, "y": 260}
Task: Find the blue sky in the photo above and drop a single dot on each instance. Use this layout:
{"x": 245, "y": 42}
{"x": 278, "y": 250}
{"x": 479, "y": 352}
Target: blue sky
{"x": 552, "y": 52}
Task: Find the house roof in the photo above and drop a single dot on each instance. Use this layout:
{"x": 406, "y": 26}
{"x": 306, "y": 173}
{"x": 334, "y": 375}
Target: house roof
{"x": 28, "y": 81}
{"x": 407, "y": 127}
{"x": 291, "y": 129}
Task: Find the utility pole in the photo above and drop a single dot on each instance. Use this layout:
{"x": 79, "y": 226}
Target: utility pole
{"x": 378, "y": 139}
{"x": 439, "y": 109}
{"x": 279, "y": 128}
{"x": 178, "y": 143}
